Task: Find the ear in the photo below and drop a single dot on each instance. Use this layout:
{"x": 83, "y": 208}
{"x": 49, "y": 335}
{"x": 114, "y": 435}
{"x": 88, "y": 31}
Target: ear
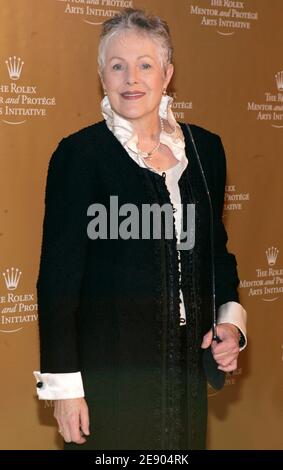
{"x": 101, "y": 80}
{"x": 168, "y": 74}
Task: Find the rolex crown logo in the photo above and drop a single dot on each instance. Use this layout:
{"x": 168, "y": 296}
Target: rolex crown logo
{"x": 271, "y": 255}
{"x": 12, "y": 277}
{"x": 14, "y": 66}
{"x": 279, "y": 80}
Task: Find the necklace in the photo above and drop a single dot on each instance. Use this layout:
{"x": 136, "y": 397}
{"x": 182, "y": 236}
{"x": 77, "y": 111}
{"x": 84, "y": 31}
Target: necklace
{"x": 147, "y": 155}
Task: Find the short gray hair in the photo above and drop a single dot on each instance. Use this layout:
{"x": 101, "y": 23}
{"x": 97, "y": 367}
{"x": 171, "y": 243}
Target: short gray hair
{"x": 136, "y": 20}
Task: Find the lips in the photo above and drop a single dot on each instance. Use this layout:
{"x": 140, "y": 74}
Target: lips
{"x": 132, "y": 95}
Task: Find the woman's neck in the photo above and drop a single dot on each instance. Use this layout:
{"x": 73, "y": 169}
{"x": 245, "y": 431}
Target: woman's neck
{"x": 147, "y": 129}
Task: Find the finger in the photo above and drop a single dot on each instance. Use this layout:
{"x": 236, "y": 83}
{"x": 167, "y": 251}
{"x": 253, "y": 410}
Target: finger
{"x": 207, "y": 339}
{"x": 74, "y": 430}
{"x": 227, "y": 361}
{"x": 224, "y": 348}
{"x": 85, "y": 422}
{"x": 71, "y": 436}
{"x": 230, "y": 367}
{"x": 60, "y": 427}
{"x": 65, "y": 434}
{"x": 226, "y": 357}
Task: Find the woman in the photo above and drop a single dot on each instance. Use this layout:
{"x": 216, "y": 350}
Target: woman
{"x": 124, "y": 320}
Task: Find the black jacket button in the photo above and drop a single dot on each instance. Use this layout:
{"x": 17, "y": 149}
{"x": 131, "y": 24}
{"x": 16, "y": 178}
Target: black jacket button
{"x": 39, "y": 384}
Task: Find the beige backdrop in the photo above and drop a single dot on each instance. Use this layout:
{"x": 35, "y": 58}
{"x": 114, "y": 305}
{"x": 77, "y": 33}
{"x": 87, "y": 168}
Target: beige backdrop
{"x": 229, "y": 79}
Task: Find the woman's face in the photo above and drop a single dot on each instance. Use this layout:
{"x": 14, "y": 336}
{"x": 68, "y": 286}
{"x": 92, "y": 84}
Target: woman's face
{"x": 133, "y": 75}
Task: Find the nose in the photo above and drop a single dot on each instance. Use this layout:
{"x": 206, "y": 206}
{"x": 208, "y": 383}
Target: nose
{"x": 132, "y": 78}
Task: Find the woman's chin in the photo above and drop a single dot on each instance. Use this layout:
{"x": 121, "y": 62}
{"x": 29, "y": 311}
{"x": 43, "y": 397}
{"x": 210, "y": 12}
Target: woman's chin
{"x": 131, "y": 114}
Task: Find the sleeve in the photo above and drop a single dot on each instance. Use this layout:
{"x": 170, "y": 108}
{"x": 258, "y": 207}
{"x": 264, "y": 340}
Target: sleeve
{"x": 59, "y": 386}
{"x": 63, "y": 257}
{"x": 234, "y": 313}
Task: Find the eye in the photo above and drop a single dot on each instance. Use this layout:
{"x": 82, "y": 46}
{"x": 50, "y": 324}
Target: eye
{"x": 145, "y": 66}
{"x": 117, "y": 67}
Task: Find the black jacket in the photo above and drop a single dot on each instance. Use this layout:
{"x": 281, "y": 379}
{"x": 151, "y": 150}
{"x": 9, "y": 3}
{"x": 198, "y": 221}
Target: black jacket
{"x": 110, "y": 307}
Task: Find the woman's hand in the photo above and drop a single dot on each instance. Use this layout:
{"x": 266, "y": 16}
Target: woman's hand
{"x": 226, "y": 352}
{"x": 73, "y": 419}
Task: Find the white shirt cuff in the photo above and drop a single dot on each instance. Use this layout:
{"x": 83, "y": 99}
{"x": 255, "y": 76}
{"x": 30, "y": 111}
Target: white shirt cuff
{"x": 234, "y": 313}
{"x": 59, "y": 386}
